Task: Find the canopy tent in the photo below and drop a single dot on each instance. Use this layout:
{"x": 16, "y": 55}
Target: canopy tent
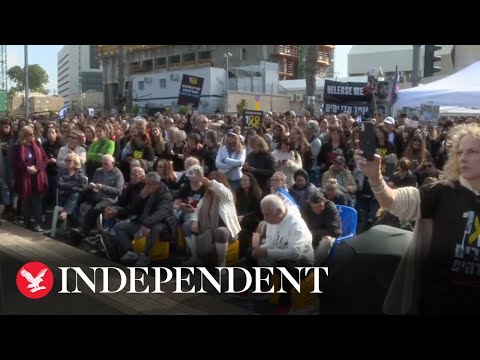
{"x": 459, "y": 89}
{"x": 459, "y": 111}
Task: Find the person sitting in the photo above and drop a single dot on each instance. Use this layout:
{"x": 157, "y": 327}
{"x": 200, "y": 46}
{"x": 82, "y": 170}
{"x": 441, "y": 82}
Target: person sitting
{"x": 186, "y": 201}
{"x": 322, "y": 218}
{"x": 247, "y": 202}
{"x": 71, "y": 183}
{"x": 288, "y": 241}
{"x": 279, "y": 187}
{"x": 121, "y": 208}
{"x": 216, "y": 212}
{"x": 302, "y": 188}
{"x": 345, "y": 180}
{"x": 103, "y": 190}
{"x": 155, "y": 221}
{"x": 334, "y": 194}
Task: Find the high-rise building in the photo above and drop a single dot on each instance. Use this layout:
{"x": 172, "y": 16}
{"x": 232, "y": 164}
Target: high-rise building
{"x": 79, "y": 71}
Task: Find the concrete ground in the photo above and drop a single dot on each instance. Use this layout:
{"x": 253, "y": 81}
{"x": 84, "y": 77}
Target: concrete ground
{"x": 19, "y": 246}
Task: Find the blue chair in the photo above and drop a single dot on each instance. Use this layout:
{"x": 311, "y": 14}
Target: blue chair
{"x": 349, "y": 218}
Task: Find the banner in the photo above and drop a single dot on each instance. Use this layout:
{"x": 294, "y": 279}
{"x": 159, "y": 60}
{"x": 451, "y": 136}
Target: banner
{"x": 349, "y": 108}
{"x": 342, "y": 92}
{"x": 3, "y": 101}
{"x": 251, "y": 119}
{"x": 190, "y": 90}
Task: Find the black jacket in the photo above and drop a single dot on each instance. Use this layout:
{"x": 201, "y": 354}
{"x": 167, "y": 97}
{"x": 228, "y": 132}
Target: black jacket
{"x": 156, "y": 209}
{"x": 327, "y": 223}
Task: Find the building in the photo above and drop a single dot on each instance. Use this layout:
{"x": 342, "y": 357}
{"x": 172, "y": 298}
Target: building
{"x": 124, "y": 61}
{"x": 38, "y": 103}
{"x": 387, "y": 57}
{"x": 292, "y": 58}
{"x": 258, "y": 85}
{"x": 79, "y": 72}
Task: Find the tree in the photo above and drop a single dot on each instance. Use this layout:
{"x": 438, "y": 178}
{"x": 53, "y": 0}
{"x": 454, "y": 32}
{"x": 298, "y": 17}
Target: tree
{"x": 310, "y": 74}
{"x": 37, "y": 78}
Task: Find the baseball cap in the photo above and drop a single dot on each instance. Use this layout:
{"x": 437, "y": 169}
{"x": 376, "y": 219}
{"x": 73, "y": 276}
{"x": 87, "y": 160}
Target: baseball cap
{"x": 389, "y": 120}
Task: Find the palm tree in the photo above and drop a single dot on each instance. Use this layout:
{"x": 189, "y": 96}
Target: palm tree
{"x": 310, "y": 74}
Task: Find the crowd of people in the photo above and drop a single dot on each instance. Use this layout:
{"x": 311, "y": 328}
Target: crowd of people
{"x": 274, "y": 187}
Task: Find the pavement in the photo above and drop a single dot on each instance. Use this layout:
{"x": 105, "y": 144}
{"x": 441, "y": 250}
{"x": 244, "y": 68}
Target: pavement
{"x": 19, "y": 246}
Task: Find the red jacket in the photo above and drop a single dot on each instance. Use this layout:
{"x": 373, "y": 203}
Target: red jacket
{"x": 22, "y": 179}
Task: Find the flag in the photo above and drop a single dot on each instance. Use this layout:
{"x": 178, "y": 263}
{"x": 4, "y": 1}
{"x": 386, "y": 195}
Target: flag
{"x": 63, "y": 112}
{"x": 395, "y": 87}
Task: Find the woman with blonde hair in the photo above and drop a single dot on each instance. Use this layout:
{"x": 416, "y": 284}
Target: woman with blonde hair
{"x": 165, "y": 170}
{"x": 30, "y": 176}
{"x": 71, "y": 183}
{"x": 437, "y": 275}
{"x": 333, "y": 193}
{"x": 230, "y": 159}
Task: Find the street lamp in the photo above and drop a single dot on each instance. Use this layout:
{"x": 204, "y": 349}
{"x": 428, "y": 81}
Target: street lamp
{"x": 227, "y": 56}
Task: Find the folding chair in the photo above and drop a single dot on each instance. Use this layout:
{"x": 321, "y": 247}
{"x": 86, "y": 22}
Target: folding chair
{"x": 349, "y": 218}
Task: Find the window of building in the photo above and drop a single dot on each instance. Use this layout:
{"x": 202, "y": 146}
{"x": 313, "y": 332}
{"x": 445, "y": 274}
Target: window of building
{"x": 148, "y": 65}
{"x": 243, "y": 54}
{"x": 94, "y": 63}
{"x": 160, "y": 63}
{"x": 204, "y": 57}
{"x": 174, "y": 60}
{"x": 141, "y": 85}
{"x": 189, "y": 59}
{"x": 163, "y": 83}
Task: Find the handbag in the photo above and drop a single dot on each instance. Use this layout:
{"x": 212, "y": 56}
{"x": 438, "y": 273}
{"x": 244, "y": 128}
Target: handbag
{"x": 204, "y": 243}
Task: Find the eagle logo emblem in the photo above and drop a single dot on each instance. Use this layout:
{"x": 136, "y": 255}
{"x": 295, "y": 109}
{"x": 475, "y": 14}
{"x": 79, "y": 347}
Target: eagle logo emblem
{"x": 38, "y": 286}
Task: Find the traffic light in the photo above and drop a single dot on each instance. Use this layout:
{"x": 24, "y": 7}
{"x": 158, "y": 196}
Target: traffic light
{"x": 429, "y": 60}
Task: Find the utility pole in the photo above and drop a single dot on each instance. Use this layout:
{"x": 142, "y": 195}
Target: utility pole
{"x": 121, "y": 77}
{"x": 27, "y": 90}
{"x": 416, "y": 65}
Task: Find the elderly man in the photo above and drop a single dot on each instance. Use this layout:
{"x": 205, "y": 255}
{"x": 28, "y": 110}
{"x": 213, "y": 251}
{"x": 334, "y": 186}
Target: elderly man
{"x": 288, "y": 241}
{"x": 155, "y": 221}
{"x": 128, "y": 197}
{"x": 103, "y": 190}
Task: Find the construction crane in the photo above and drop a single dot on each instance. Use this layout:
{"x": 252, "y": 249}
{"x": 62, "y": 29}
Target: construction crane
{"x": 3, "y": 80}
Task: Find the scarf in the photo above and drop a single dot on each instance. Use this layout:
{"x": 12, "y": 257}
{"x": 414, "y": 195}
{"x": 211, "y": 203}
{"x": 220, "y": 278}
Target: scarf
{"x": 41, "y": 175}
{"x": 208, "y": 215}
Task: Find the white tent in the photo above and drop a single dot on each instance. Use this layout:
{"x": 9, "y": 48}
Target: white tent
{"x": 461, "y": 89}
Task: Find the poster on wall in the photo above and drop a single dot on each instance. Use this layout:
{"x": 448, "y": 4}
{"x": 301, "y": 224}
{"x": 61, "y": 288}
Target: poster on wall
{"x": 190, "y": 91}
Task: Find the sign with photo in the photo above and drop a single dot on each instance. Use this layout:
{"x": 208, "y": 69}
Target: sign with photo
{"x": 429, "y": 113}
{"x": 190, "y": 90}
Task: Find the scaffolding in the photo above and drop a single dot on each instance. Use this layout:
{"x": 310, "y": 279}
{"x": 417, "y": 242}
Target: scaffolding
{"x": 3, "y": 80}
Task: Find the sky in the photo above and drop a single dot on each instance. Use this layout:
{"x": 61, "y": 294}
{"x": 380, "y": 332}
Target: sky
{"x": 43, "y": 55}
{"x": 46, "y": 57}
{"x": 341, "y": 60}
